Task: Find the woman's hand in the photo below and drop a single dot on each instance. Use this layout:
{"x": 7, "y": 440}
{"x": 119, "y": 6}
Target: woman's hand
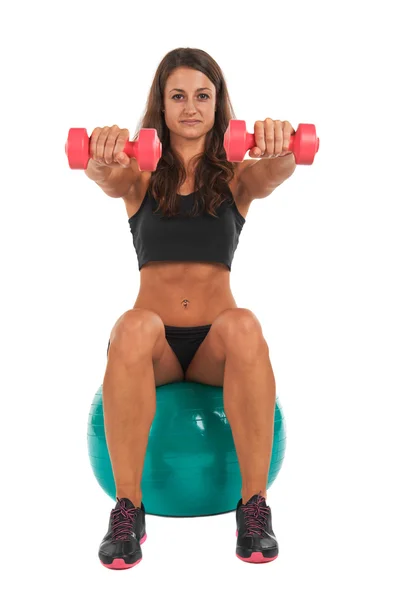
{"x": 272, "y": 139}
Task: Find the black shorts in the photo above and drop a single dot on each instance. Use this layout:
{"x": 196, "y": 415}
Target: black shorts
{"x": 184, "y": 341}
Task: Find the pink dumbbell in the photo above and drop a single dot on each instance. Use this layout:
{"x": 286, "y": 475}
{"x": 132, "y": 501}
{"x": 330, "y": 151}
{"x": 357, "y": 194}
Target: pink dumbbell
{"x": 304, "y": 143}
{"x": 147, "y": 150}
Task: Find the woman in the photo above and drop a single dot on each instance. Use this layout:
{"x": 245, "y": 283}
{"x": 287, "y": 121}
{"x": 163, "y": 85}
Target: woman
{"x": 186, "y": 218}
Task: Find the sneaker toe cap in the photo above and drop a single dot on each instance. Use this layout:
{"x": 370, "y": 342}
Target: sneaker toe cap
{"x": 258, "y": 543}
{"x": 120, "y": 548}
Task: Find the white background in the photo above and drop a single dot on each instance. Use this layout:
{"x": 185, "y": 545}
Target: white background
{"x": 317, "y": 263}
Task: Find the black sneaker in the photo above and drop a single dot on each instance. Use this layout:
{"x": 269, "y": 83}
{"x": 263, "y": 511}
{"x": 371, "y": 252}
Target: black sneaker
{"x": 256, "y": 541}
{"x": 120, "y": 547}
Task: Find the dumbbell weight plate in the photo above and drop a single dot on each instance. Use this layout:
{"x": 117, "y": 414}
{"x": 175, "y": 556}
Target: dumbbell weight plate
{"x": 304, "y": 144}
{"x": 236, "y": 140}
{"x": 77, "y": 148}
{"x": 149, "y": 149}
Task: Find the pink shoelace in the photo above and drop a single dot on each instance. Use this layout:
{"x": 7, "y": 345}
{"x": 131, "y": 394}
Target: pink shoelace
{"x": 255, "y": 516}
{"x": 122, "y": 520}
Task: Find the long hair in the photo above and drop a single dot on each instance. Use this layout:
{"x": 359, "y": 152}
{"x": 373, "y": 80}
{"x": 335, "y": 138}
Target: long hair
{"x": 212, "y": 170}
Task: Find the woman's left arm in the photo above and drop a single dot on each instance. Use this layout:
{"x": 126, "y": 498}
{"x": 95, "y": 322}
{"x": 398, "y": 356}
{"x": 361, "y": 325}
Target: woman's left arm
{"x": 276, "y": 162}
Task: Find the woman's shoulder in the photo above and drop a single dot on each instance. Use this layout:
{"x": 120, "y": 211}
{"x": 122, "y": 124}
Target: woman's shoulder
{"x": 136, "y": 195}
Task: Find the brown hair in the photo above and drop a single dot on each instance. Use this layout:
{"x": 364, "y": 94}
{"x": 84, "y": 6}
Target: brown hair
{"x": 213, "y": 171}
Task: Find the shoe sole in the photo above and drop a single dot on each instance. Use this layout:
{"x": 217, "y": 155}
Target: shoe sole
{"x": 256, "y": 557}
{"x": 119, "y": 563}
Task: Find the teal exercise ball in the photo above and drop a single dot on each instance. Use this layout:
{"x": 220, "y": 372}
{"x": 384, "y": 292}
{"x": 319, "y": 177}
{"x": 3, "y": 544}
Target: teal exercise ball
{"x": 191, "y": 467}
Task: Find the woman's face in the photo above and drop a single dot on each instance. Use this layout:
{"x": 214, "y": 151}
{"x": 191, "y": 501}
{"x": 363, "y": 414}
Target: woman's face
{"x": 189, "y": 94}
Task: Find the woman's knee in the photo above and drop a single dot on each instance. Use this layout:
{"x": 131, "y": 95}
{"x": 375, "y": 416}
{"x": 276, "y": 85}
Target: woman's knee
{"x": 241, "y": 333}
{"x": 236, "y": 324}
{"x": 137, "y": 330}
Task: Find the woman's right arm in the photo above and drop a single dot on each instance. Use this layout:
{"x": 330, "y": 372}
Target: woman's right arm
{"x": 116, "y": 183}
{"x": 113, "y": 171}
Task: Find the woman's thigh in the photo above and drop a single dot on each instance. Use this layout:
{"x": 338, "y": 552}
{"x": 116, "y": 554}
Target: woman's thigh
{"x": 167, "y": 368}
{"x": 139, "y": 322}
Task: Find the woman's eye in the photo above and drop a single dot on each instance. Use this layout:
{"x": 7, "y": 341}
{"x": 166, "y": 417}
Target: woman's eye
{"x": 206, "y": 95}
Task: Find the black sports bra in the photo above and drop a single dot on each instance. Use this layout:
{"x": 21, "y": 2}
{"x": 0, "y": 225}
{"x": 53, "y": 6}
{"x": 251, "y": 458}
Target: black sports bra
{"x": 202, "y": 238}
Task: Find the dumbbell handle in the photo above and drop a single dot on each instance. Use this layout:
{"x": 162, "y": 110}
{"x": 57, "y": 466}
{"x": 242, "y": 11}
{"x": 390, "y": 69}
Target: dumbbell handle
{"x": 251, "y": 142}
{"x": 130, "y": 149}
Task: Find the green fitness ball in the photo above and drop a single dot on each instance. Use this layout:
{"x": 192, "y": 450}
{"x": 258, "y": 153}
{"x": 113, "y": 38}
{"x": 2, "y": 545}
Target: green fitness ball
{"x": 191, "y": 467}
